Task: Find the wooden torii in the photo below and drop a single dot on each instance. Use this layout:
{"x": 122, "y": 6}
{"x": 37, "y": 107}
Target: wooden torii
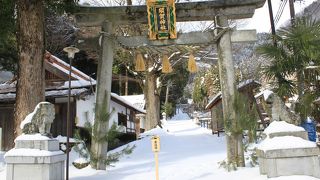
{"x": 218, "y": 10}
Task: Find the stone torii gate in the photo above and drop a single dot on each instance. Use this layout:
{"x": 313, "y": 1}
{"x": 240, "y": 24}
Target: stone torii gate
{"x": 218, "y": 10}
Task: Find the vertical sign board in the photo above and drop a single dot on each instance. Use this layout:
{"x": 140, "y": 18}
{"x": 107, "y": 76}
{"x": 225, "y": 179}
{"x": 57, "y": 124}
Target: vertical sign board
{"x": 155, "y": 143}
{"x": 155, "y": 140}
{"x": 161, "y": 19}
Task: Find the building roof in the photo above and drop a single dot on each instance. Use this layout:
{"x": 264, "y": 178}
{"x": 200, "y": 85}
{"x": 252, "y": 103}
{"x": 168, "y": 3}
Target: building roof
{"x": 123, "y": 101}
{"x": 265, "y": 94}
{"x": 61, "y": 68}
{"x": 249, "y": 84}
{"x": 137, "y": 100}
{"x": 80, "y": 82}
{"x": 10, "y": 97}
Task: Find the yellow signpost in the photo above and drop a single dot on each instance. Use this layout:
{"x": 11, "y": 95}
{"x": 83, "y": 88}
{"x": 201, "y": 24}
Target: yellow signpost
{"x": 155, "y": 142}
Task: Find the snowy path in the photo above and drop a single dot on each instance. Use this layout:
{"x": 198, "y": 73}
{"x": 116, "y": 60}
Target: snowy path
{"x": 188, "y": 152}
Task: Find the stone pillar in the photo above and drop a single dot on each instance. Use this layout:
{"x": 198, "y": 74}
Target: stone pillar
{"x": 35, "y": 157}
{"x": 104, "y": 80}
{"x": 227, "y": 82}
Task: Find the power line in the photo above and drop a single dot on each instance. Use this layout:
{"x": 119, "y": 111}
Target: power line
{"x": 280, "y": 11}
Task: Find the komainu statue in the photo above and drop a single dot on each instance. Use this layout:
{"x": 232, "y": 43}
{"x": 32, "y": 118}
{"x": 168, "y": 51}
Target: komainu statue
{"x": 39, "y": 121}
{"x": 280, "y": 112}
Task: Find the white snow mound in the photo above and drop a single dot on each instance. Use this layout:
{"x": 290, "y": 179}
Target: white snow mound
{"x": 285, "y": 142}
{"x": 281, "y": 126}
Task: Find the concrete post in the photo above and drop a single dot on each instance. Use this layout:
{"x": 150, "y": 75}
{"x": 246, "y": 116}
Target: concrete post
{"x": 227, "y": 82}
{"x": 104, "y": 80}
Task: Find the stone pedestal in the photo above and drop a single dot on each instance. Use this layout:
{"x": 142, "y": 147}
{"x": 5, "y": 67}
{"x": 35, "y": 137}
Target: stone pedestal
{"x": 286, "y": 162}
{"x": 35, "y": 157}
{"x": 287, "y": 151}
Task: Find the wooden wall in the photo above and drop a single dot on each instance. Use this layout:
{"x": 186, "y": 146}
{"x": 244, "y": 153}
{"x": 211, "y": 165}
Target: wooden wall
{"x": 59, "y": 126}
{"x": 6, "y": 123}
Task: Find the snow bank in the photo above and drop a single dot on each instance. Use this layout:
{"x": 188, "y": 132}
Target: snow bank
{"x": 63, "y": 139}
{"x": 81, "y": 160}
{"x": 31, "y": 152}
{"x": 281, "y": 126}
{"x": 28, "y": 137}
{"x": 155, "y": 131}
{"x": 285, "y": 142}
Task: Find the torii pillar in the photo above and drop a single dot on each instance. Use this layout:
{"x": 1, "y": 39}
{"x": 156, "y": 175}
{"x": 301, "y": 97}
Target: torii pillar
{"x": 188, "y": 11}
{"x": 228, "y": 89}
{"x": 99, "y": 144}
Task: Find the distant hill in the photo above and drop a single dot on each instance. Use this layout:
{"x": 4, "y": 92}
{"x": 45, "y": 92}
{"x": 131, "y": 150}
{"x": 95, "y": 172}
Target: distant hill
{"x": 313, "y": 10}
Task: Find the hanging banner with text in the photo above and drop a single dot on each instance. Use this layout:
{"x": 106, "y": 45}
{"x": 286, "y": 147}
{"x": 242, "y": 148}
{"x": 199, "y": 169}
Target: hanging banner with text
{"x": 161, "y": 19}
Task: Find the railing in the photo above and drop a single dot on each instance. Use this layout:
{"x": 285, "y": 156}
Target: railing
{"x": 205, "y": 122}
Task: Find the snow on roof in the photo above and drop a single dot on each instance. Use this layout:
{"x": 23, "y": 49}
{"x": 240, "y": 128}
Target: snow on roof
{"x": 7, "y": 87}
{"x": 214, "y": 100}
{"x": 281, "y": 126}
{"x": 82, "y": 78}
{"x": 247, "y": 82}
{"x": 265, "y": 93}
{"x": 285, "y": 142}
{"x": 136, "y": 100}
{"x": 78, "y": 84}
{"x": 241, "y": 85}
{"x": 7, "y": 97}
{"x": 121, "y": 99}
{"x": 48, "y": 93}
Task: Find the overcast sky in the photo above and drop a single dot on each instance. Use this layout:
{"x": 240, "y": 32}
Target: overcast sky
{"x": 260, "y": 20}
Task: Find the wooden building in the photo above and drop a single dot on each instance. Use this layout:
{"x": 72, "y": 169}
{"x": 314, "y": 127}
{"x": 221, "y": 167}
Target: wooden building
{"x": 82, "y": 102}
{"x": 215, "y": 105}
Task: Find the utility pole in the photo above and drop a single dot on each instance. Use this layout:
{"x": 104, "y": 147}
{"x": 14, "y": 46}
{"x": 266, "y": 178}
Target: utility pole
{"x": 292, "y": 13}
{"x": 273, "y": 29}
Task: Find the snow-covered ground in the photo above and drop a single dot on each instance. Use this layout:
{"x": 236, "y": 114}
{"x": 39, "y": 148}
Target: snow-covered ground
{"x": 188, "y": 152}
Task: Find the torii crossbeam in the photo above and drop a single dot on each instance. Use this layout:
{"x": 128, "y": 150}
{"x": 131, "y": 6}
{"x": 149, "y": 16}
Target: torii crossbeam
{"x": 187, "y": 11}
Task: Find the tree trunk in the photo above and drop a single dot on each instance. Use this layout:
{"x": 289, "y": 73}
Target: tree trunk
{"x": 30, "y": 37}
{"x": 152, "y": 101}
{"x": 120, "y": 85}
{"x": 126, "y": 84}
{"x": 227, "y": 81}
{"x": 167, "y": 93}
